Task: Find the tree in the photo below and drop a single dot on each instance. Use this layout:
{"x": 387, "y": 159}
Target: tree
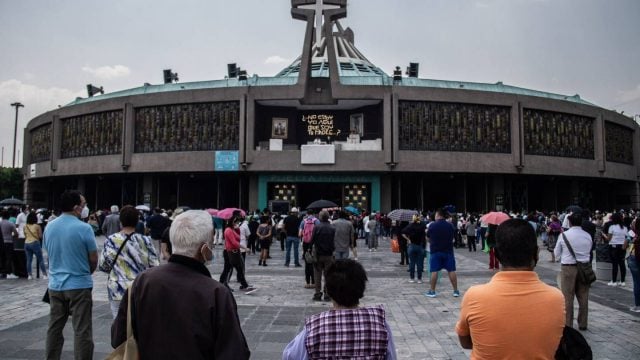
{"x": 11, "y": 183}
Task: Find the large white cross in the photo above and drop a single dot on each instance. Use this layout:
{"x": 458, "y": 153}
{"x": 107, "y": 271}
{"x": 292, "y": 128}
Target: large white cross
{"x": 319, "y": 9}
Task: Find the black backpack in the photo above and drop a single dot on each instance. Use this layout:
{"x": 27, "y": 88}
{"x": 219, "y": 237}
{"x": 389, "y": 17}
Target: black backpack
{"x": 573, "y": 346}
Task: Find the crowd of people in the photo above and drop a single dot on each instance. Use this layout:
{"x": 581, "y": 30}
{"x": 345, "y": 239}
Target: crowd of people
{"x": 137, "y": 243}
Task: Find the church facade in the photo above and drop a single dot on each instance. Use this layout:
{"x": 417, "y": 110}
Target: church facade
{"x": 332, "y": 125}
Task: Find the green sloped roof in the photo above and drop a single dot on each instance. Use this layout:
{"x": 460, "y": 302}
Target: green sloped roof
{"x": 358, "y": 80}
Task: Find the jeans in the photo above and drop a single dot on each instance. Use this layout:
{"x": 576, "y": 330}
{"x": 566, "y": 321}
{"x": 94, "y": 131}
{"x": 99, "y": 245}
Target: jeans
{"x": 31, "y": 249}
{"x": 295, "y": 242}
{"x": 308, "y": 267}
{"x": 341, "y": 254}
{"x": 416, "y": 259}
{"x": 6, "y": 259}
{"x": 635, "y": 275}
{"x": 77, "y": 304}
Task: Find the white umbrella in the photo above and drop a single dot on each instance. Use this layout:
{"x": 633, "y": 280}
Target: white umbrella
{"x": 143, "y": 208}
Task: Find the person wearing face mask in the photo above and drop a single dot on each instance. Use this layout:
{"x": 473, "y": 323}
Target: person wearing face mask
{"x": 163, "y": 326}
{"x": 73, "y": 257}
{"x": 232, "y": 257}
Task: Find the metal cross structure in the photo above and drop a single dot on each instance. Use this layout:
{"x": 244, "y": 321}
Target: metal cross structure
{"x": 319, "y": 6}
{"x": 15, "y": 132}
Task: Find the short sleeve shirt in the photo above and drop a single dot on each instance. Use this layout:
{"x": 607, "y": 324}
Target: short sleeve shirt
{"x": 503, "y": 317}
{"x": 68, "y": 242}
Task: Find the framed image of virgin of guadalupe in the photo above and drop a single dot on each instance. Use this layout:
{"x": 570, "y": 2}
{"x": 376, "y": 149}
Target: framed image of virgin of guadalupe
{"x": 356, "y": 124}
{"x": 279, "y": 128}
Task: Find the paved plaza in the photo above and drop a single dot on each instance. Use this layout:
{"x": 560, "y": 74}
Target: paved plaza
{"x": 423, "y": 328}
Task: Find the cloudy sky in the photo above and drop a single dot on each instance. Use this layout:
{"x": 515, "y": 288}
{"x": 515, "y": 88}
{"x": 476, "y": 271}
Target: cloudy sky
{"x": 50, "y": 50}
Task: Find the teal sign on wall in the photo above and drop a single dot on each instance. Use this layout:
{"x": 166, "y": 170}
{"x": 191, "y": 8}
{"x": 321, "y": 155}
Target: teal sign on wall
{"x": 226, "y": 161}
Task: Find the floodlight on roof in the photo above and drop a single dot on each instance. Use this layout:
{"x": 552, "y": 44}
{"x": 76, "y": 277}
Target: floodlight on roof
{"x": 412, "y": 70}
{"x": 169, "y": 76}
{"x": 397, "y": 74}
{"x": 92, "y": 90}
{"x": 232, "y": 70}
{"x": 242, "y": 75}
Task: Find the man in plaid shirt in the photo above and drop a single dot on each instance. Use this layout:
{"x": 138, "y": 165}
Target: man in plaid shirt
{"x": 332, "y": 334}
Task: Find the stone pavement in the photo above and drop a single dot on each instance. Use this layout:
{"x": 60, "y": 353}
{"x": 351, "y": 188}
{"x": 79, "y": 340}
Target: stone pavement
{"x": 423, "y": 328}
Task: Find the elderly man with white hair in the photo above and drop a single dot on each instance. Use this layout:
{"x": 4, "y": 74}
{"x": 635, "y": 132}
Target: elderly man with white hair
{"x": 178, "y": 310}
{"x": 111, "y": 224}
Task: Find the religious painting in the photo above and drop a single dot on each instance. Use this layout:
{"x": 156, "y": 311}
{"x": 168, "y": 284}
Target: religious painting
{"x": 279, "y": 128}
{"x": 356, "y": 124}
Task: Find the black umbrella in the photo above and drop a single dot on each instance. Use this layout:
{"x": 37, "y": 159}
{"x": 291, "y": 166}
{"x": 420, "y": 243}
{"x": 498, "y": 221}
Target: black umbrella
{"x": 321, "y": 204}
{"x": 574, "y": 209}
{"x": 11, "y": 201}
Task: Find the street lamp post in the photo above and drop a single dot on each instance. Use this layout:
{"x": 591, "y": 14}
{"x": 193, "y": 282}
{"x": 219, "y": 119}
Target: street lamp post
{"x": 15, "y": 132}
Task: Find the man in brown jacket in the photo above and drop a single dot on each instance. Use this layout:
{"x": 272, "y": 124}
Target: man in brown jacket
{"x": 178, "y": 311}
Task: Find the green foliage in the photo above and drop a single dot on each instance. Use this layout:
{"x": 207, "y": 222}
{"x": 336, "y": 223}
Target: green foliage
{"x": 10, "y": 183}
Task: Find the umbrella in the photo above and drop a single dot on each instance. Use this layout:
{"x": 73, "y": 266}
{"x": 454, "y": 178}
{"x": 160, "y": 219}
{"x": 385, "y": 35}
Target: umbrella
{"x": 226, "y": 214}
{"x": 352, "y": 210}
{"x": 212, "y": 212}
{"x": 143, "y": 208}
{"x": 321, "y": 204}
{"x": 11, "y": 201}
{"x": 574, "y": 209}
{"x": 402, "y": 214}
{"x": 494, "y": 218}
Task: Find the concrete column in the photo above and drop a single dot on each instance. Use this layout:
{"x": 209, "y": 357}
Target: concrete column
{"x": 599, "y": 140}
{"x": 385, "y": 193}
{"x": 128, "y": 136}
{"x": 390, "y": 120}
{"x": 242, "y": 143}
{"x": 517, "y": 136}
{"x": 56, "y": 141}
{"x": 250, "y": 125}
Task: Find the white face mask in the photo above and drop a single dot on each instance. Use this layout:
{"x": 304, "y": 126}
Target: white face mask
{"x": 85, "y": 213}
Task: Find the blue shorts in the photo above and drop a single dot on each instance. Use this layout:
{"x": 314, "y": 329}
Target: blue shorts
{"x": 442, "y": 260}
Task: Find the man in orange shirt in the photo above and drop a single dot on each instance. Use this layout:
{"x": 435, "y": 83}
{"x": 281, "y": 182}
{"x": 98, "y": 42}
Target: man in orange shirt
{"x": 515, "y": 315}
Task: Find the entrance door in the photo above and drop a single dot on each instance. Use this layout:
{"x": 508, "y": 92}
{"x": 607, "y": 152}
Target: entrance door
{"x": 310, "y": 192}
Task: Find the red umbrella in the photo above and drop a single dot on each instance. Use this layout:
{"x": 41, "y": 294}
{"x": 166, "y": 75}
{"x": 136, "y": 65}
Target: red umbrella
{"x": 212, "y": 212}
{"x": 494, "y": 218}
{"x": 227, "y": 213}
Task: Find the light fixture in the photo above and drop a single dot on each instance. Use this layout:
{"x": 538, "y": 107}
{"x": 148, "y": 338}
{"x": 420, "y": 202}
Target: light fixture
{"x": 412, "y": 69}
{"x": 169, "y": 76}
{"x": 397, "y": 74}
{"x": 92, "y": 90}
{"x": 242, "y": 75}
{"x": 232, "y": 70}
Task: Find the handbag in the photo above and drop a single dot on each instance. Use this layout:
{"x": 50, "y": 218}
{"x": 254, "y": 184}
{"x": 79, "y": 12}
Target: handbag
{"x": 311, "y": 256}
{"x": 395, "y": 246}
{"x": 45, "y": 298}
{"x": 573, "y": 346}
{"x": 128, "y": 350}
{"x": 585, "y": 271}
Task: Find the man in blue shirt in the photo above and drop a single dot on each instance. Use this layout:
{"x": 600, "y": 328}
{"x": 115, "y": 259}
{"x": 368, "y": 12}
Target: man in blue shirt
{"x": 441, "y": 234}
{"x": 73, "y": 257}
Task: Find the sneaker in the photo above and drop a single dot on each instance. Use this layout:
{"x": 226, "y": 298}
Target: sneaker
{"x": 327, "y": 297}
{"x": 622, "y": 284}
{"x": 355, "y": 258}
{"x": 249, "y": 290}
{"x": 456, "y": 293}
{"x": 11, "y": 276}
{"x": 611, "y": 283}
{"x": 45, "y": 277}
{"x": 618, "y": 283}
{"x": 635, "y": 308}
{"x": 298, "y": 265}
{"x": 370, "y": 250}
{"x": 430, "y": 294}
{"x": 30, "y": 277}
{"x": 419, "y": 281}
{"x": 412, "y": 281}
{"x": 317, "y": 297}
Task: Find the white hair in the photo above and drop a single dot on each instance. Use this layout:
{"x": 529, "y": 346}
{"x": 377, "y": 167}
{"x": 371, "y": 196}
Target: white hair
{"x": 189, "y": 230}
{"x": 114, "y": 208}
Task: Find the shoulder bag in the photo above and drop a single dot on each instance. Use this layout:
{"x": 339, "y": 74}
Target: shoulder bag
{"x": 128, "y": 350}
{"x": 585, "y": 271}
{"x": 573, "y": 346}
